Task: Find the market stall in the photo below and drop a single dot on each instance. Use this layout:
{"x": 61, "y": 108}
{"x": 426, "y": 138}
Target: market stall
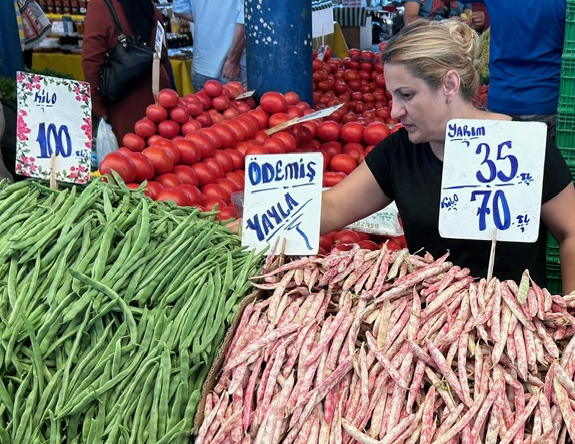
{"x": 131, "y": 310}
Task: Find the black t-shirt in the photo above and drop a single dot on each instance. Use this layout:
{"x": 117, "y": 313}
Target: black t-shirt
{"x": 410, "y": 174}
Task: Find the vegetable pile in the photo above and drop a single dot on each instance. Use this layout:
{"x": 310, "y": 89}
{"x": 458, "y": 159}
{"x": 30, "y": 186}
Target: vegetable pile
{"x": 387, "y": 347}
{"x": 112, "y": 309}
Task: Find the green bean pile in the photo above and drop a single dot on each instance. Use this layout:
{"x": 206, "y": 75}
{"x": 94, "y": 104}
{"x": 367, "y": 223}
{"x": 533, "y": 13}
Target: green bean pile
{"x": 112, "y": 309}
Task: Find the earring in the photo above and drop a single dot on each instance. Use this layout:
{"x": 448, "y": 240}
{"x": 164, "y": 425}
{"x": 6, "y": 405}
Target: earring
{"x": 448, "y": 101}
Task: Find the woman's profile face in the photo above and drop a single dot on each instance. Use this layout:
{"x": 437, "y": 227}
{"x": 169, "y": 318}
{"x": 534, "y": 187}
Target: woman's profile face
{"x": 422, "y": 110}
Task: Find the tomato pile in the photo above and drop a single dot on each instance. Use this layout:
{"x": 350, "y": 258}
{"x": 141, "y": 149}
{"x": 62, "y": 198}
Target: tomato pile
{"x": 356, "y": 81}
{"x": 344, "y": 240}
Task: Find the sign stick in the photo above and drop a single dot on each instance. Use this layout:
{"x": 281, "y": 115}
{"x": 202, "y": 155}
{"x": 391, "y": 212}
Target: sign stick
{"x": 492, "y": 256}
{"x": 53, "y": 184}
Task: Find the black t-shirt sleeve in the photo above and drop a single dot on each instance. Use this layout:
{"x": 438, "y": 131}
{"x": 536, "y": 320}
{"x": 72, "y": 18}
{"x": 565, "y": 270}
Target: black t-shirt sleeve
{"x": 380, "y": 165}
{"x": 556, "y": 175}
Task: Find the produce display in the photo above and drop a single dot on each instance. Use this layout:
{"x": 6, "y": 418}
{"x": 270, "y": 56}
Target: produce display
{"x": 112, "y": 309}
{"x": 387, "y": 347}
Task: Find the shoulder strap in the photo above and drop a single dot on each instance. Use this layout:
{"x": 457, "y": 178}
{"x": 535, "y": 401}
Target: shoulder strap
{"x": 115, "y": 18}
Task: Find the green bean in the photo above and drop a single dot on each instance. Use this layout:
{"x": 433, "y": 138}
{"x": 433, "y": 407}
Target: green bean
{"x": 18, "y": 400}
{"x": 139, "y": 415}
{"x": 165, "y": 370}
{"x": 44, "y": 399}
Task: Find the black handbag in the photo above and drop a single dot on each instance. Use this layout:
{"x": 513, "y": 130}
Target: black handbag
{"x": 125, "y": 65}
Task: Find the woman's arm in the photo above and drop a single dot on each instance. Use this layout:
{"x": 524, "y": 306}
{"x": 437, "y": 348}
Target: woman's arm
{"x": 411, "y": 11}
{"x": 354, "y": 198}
{"x": 558, "y": 214}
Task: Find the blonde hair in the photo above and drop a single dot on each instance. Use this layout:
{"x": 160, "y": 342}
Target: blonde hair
{"x": 429, "y": 49}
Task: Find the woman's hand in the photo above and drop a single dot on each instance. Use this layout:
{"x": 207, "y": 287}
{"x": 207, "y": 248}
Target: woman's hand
{"x": 477, "y": 20}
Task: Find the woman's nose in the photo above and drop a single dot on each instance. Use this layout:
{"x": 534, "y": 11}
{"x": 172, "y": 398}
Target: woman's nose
{"x": 397, "y": 111}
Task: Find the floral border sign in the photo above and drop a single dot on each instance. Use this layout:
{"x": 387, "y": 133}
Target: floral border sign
{"x": 54, "y": 116}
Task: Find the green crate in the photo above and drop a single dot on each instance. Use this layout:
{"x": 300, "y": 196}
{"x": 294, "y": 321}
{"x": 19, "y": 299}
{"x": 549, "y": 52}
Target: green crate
{"x": 565, "y": 135}
{"x": 569, "y": 45}
{"x": 567, "y": 86}
{"x": 569, "y": 156}
{"x": 552, "y": 252}
{"x": 554, "y": 284}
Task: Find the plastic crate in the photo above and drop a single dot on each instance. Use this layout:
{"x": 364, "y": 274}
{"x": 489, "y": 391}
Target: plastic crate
{"x": 567, "y": 86}
{"x": 565, "y": 136}
{"x": 569, "y": 156}
{"x": 552, "y": 252}
{"x": 554, "y": 284}
{"x": 569, "y": 46}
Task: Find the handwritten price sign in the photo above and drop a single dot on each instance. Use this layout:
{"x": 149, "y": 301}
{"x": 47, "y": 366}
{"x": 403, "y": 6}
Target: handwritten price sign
{"x": 492, "y": 180}
{"x": 54, "y": 117}
{"x": 283, "y": 200}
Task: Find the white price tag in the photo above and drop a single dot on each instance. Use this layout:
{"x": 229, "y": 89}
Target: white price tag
{"x": 54, "y": 117}
{"x": 492, "y": 180}
{"x": 315, "y": 115}
{"x": 282, "y": 199}
{"x": 246, "y": 95}
{"x": 159, "y": 39}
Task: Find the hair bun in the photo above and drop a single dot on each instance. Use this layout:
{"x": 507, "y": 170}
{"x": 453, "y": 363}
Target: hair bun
{"x": 467, "y": 38}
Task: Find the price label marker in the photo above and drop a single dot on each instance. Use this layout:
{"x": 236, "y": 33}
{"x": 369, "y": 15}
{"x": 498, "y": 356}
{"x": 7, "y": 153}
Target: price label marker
{"x": 159, "y": 39}
{"x": 246, "y": 95}
{"x": 282, "y": 200}
{"x": 315, "y": 115}
{"x": 492, "y": 180}
{"x": 54, "y": 117}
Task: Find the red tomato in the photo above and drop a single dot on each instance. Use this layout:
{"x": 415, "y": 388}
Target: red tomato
{"x": 211, "y": 202}
{"x": 215, "y": 165}
{"x": 401, "y": 241}
{"x": 134, "y": 142}
{"x": 247, "y": 125}
{"x": 277, "y": 119}
{"x": 213, "y": 88}
{"x": 193, "y": 193}
{"x": 238, "y": 129}
{"x": 347, "y": 237}
{"x": 294, "y": 112}
{"x": 216, "y": 191}
{"x": 237, "y": 158}
{"x": 119, "y": 163}
{"x": 274, "y": 146}
{"x": 260, "y": 137}
{"x": 328, "y": 131}
{"x": 179, "y": 114}
{"x": 174, "y": 194}
{"x": 154, "y": 139}
{"x": 331, "y": 179}
{"x": 393, "y": 246}
{"x": 170, "y": 147}
{"x": 352, "y": 132}
{"x": 205, "y": 173}
{"x": 145, "y": 128}
{"x": 194, "y": 107}
{"x": 204, "y": 143}
{"x": 273, "y": 102}
{"x": 186, "y": 174}
{"x": 326, "y": 160}
{"x": 153, "y": 189}
{"x": 169, "y": 180}
{"x": 375, "y": 132}
{"x": 325, "y": 242}
{"x": 368, "y": 245}
{"x": 205, "y": 119}
{"x": 228, "y": 185}
{"x": 236, "y": 179}
{"x": 227, "y": 213}
{"x": 363, "y": 236}
{"x": 162, "y": 161}
{"x": 168, "y": 98}
{"x": 242, "y": 148}
{"x": 190, "y": 126}
{"x": 189, "y": 151}
{"x": 355, "y": 150}
{"x": 228, "y": 136}
{"x": 343, "y": 163}
{"x": 287, "y": 139}
{"x": 225, "y": 160}
{"x": 144, "y": 167}
{"x": 261, "y": 116}
{"x": 125, "y": 151}
{"x": 332, "y": 148}
{"x": 168, "y": 128}
{"x": 213, "y": 135}
{"x": 256, "y": 149}
{"x": 342, "y": 247}
{"x": 220, "y": 103}
{"x": 204, "y": 99}
{"x": 156, "y": 113}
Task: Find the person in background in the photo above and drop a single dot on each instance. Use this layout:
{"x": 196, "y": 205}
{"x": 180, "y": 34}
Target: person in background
{"x": 4, "y": 173}
{"x": 525, "y": 58}
{"x": 479, "y": 17}
{"x": 430, "y": 66}
{"x": 434, "y": 9}
{"x": 219, "y": 39}
{"x": 136, "y": 18}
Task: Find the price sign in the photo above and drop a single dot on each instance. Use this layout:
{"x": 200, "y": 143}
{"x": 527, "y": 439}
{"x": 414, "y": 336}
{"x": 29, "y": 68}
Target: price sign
{"x": 54, "y": 117}
{"x": 246, "y": 95}
{"x": 492, "y": 180}
{"x": 282, "y": 200}
{"x": 159, "y": 39}
{"x": 312, "y": 116}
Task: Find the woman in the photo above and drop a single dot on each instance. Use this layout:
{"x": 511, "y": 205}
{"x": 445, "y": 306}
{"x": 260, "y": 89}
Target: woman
{"x": 430, "y": 74}
{"x": 137, "y": 17}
